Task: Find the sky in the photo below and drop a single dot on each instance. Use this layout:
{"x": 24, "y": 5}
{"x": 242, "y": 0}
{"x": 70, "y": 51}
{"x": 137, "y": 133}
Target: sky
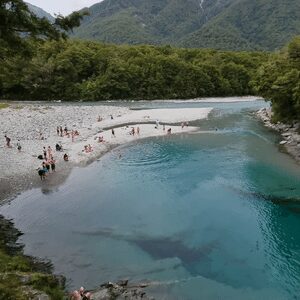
{"x": 63, "y": 7}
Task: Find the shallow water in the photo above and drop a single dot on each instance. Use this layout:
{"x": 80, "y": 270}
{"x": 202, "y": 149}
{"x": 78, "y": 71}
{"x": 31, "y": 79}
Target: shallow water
{"x": 211, "y": 215}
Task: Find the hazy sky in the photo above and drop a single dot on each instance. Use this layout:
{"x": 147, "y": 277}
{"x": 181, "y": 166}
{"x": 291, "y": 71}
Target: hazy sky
{"x": 62, "y": 6}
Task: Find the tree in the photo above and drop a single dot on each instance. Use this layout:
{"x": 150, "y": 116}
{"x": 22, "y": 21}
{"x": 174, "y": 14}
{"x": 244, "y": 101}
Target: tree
{"x": 18, "y": 23}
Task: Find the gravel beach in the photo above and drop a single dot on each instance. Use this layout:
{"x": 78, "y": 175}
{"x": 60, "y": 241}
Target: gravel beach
{"x": 35, "y": 125}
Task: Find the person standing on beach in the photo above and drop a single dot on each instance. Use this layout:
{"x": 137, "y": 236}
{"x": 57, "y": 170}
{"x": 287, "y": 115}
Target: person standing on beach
{"x": 61, "y": 131}
{"x": 72, "y": 135}
{"x": 52, "y": 164}
{"x": 138, "y": 130}
{"x": 7, "y": 139}
{"x": 49, "y": 152}
{"x": 57, "y": 130}
{"x": 19, "y": 147}
{"x": 113, "y": 132}
{"x": 45, "y": 152}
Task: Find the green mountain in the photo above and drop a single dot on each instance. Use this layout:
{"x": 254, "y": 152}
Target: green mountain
{"x": 250, "y": 24}
{"x": 144, "y": 21}
{"x": 221, "y": 24}
{"x": 40, "y": 12}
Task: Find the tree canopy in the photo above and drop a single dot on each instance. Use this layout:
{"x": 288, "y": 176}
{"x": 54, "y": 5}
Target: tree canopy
{"x": 278, "y": 80}
{"x": 18, "y": 23}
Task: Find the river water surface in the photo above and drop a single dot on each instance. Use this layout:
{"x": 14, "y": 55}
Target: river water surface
{"x": 212, "y": 215}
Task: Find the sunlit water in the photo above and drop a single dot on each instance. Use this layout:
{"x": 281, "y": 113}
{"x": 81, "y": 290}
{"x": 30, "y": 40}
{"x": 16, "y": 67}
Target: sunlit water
{"x": 202, "y": 216}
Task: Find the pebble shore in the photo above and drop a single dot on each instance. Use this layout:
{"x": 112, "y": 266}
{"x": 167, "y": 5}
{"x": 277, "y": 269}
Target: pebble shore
{"x": 34, "y": 125}
{"x": 290, "y": 132}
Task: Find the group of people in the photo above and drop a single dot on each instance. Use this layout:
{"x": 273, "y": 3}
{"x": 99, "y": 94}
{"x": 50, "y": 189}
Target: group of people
{"x": 47, "y": 164}
{"x": 134, "y": 131}
{"x": 65, "y": 132}
{"x": 8, "y": 144}
{"x": 80, "y": 294}
{"x": 87, "y": 148}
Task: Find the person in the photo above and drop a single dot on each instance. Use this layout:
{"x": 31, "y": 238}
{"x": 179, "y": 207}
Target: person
{"x": 47, "y": 164}
{"x": 169, "y": 131}
{"x": 61, "y": 130}
{"x": 52, "y": 164}
{"x": 45, "y": 152}
{"x": 19, "y": 147}
{"x": 66, "y": 157}
{"x": 57, "y": 130}
{"x": 7, "y": 141}
{"x": 72, "y": 135}
{"x": 164, "y": 127}
{"x": 58, "y": 147}
{"x": 41, "y": 173}
{"x": 182, "y": 125}
{"x": 89, "y": 148}
{"x": 133, "y": 131}
{"x": 66, "y": 129}
{"x": 111, "y": 117}
{"x": 87, "y": 296}
{"x": 49, "y": 152}
{"x": 138, "y": 130}
{"x": 113, "y": 132}
{"x": 44, "y": 167}
{"x": 99, "y": 119}
{"x": 76, "y": 296}
{"x": 100, "y": 139}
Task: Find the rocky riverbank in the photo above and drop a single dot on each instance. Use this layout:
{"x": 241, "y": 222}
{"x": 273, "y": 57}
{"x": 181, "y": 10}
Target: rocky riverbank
{"x": 290, "y": 132}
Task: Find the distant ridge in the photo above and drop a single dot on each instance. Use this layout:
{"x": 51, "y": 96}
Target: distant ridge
{"x": 221, "y": 24}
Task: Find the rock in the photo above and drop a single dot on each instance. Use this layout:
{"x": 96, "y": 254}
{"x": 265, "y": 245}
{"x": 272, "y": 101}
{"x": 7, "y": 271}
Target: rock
{"x": 122, "y": 282}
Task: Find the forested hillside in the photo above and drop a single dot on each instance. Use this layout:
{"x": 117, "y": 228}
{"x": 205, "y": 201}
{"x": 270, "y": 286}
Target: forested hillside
{"x": 219, "y": 24}
{"x": 250, "y": 24}
{"x": 74, "y": 70}
{"x": 278, "y": 80}
{"x": 142, "y": 21}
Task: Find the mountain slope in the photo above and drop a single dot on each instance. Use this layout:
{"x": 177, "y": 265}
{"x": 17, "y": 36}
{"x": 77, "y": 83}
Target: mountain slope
{"x": 255, "y": 24}
{"x": 144, "y": 21}
{"x": 222, "y": 24}
{"x": 39, "y": 12}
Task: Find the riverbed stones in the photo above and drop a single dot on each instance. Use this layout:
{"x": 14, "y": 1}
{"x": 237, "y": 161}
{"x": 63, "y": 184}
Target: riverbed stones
{"x": 290, "y": 132}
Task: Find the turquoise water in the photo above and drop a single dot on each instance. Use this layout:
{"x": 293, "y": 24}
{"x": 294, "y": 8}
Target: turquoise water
{"x": 202, "y": 216}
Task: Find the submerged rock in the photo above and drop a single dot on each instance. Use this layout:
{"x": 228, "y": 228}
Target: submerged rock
{"x": 120, "y": 291}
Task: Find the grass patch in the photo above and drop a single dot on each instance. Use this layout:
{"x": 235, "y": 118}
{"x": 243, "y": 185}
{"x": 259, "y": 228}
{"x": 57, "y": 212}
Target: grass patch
{"x": 3, "y": 105}
{"x": 21, "y": 275}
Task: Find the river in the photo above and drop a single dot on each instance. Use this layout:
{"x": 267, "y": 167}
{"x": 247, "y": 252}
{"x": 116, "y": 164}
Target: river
{"x": 212, "y": 215}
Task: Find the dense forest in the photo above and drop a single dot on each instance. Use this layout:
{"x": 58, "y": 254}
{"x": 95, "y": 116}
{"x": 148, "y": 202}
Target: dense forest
{"x": 278, "y": 80}
{"x": 77, "y": 70}
{"x": 42, "y": 64}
